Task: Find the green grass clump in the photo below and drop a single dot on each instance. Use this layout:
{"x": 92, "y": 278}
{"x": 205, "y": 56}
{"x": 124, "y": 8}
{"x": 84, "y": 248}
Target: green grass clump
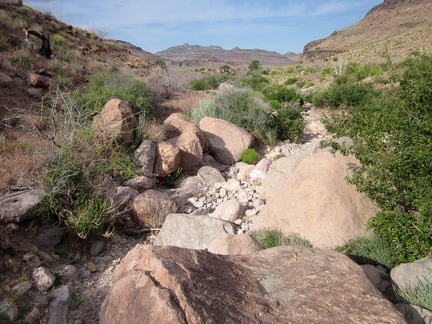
{"x": 370, "y": 250}
{"x": 249, "y": 156}
{"x": 268, "y": 238}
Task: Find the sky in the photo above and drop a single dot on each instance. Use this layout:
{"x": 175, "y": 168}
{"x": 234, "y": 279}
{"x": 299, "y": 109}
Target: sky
{"x": 273, "y": 25}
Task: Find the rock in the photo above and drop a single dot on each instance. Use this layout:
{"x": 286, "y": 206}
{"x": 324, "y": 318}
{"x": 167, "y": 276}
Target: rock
{"x": 20, "y": 206}
{"x": 191, "y": 150}
{"x": 226, "y": 141}
{"x": 150, "y": 208}
{"x": 38, "y": 81}
{"x": 168, "y": 158}
{"x": 58, "y": 309}
{"x": 415, "y": 314}
{"x": 141, "y": 183}
{"x": 175, "y": 125}
{"x": 232, "y": 244}
{"x": 43, "y": 279}
{"x": 9, "y": 309}
{"x": 34, "y": 317}
{"x": 22, "y": 288}
{"x": 280, "y": 285}
{"x": 5, "y": 80}
{"x": 191, "y": 231}
{"x": 122, "y": 195}
{"x": 407, "y": 276}
{"x": 316, "y": 202}
{"x": 34, "y": 93}
{"x": 97, "y": 248}
{"x": 116, "y": 122}
{"x": 210, "y": 176}
{"x": 91, "y": 266}
{"x": 50, "y": 238}
{"x": 229, "y": 210}
{"x": 145, "y": 155}
{"x": 380, "y": 278}
{"x": 70, "y": 273}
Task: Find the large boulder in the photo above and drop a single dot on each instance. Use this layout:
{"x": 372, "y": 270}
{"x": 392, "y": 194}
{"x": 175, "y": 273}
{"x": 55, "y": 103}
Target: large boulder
{"x": 192, "y": 231}
{"x": 279, "y": 285}
{"x": 316, "y": 202}
{"x": 168, "y": 158}
{"x": 226, "y": 141}
{"x": 176, "y": 124}
{"x": 191, "y": 150}
{"x": 20, "y": 206}
{"x": 408, "y": 276}
{"x": 116, "y": 122}
{"x": 150, "y": 208}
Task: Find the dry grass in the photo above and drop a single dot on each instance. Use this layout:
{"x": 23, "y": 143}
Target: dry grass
{"x": 23, "y": 158}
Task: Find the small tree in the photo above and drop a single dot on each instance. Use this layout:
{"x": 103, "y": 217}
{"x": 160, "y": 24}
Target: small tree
{"x": 254, "y": 67}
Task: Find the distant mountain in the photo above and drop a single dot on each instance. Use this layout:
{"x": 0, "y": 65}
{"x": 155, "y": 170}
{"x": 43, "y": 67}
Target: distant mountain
{"x": 392, "y": 29}
{"x": 196, "y": 55}
{"x": 136, "y": 50}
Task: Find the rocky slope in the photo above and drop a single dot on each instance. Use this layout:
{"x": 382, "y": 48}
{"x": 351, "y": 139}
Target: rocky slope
{"x": 392, "y": 29}
{"x": 196, "y": 55}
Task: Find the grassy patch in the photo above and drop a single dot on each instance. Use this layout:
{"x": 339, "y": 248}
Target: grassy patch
{"x": 268, "y": 238}
{"x": 421, "y": 295}
{"x": 370, "y": 250}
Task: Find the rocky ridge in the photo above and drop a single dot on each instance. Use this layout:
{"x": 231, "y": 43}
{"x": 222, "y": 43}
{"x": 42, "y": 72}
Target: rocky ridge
{"x": 196, "y": 55}
{"x": 391, "y": 30}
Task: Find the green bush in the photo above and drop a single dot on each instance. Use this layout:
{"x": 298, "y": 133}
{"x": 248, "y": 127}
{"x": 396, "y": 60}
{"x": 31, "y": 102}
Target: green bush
{"x": 287, "y": 122}
{"x": 347, "y": 94}
{"x": 246, "y": 110}
{"x": 282, "y": 93}
{"x": 370, "y": 250}
{"x": 391, "y": 138}
{"x": 103, "y": 87}
{"x": 209, "y": 83}
{"x": 256, "y": 82}
{"x": 249, "y": 156}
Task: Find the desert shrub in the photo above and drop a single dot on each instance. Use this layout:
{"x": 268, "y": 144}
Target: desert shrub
{"x": 392, "y": 141}
{"x": 209, "y": 83}
{"x": 290, "y": 80}
{"x": 256, "y": 82}
{"x": 268, "y": 238}
{"x": 58, "y": 39}
{"x": 207, "y": 108}
{"x": 282, "y": 93}
{"x": 370, "y": 250}
{"x": 78, "y": 168}
{"x": 103, "y": 87}
{"x": 287, "y": 121}
{"x": 344, "y": 93}
{"x": 249, "y": 156}
{"x": 246, "y": 110}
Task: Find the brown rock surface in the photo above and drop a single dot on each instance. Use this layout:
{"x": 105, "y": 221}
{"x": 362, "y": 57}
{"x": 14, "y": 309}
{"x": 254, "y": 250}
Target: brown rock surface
{"x": 150, "y": 208}
{"x": 225, "y": 140}
{"x": 280, "y": 285}
{"x": 116, "y": 121}
{"x": 316, "y": 202}
{"x": 191, "y": 150}
{"x": 168, "y": 158}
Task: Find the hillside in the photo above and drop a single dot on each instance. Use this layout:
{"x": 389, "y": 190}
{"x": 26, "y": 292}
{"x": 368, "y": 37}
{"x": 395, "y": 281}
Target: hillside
{"x": 392, "y": 29}
{"x": 196, "y": 55}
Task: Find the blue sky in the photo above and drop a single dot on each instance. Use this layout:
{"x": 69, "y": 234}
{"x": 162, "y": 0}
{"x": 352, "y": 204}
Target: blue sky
{"x": 273, "y": 25}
